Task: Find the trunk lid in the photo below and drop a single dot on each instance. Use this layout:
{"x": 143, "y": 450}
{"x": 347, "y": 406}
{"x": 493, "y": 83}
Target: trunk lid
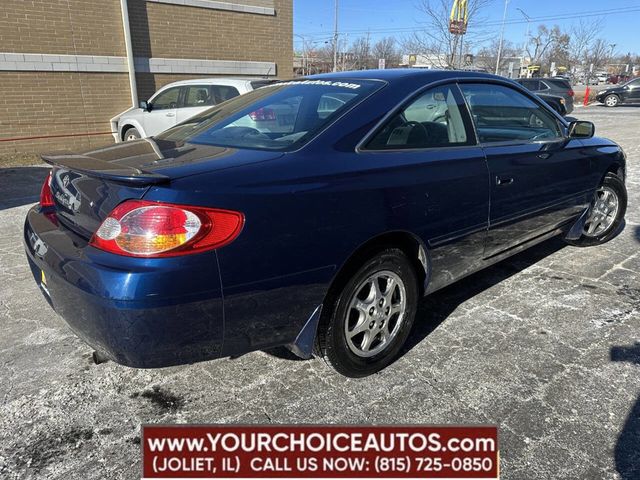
{"x": 87, "y": 187}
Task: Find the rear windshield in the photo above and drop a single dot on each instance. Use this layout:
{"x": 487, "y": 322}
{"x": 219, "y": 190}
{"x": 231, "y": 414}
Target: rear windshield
{"x": 280, "y": 116}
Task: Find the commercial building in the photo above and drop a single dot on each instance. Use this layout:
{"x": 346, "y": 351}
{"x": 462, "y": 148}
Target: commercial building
{"x": 64, "y": 64}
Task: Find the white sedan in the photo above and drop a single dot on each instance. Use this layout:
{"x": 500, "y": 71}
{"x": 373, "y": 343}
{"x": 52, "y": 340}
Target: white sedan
{"x": 177, "y": 102}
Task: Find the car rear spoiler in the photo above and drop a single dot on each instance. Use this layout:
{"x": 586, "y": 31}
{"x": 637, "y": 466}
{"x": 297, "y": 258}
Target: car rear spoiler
{"x": 97, "y": 168}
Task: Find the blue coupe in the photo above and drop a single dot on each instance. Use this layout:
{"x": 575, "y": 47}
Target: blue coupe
{"x": 312, "y": 213}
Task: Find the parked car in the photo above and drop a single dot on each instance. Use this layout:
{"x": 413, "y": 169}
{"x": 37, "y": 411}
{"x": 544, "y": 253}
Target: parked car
{"x": 626, "y": 93}
{"x": 177, "y": 102}
{"x": 616, "y": 79}
{"x": 552, "y": 86}
{"x": 215, "y": 239}
{"x": 556, "y": 102}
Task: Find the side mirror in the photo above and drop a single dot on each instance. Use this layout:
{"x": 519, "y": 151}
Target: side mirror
{"x": 145, "y": 106}
{"x": 581, "y": 129}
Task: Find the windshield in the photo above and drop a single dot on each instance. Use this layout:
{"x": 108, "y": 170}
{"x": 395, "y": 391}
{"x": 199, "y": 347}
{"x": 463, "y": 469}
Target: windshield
{"x": 280, "y": 116}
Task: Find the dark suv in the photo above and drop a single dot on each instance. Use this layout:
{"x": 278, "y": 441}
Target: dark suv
{"x": 626, "y": 93}
{"x": 553, "y": 86}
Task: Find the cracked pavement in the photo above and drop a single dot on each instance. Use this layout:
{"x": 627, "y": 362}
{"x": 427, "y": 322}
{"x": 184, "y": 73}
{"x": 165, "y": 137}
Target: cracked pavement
{"x": 545, "y": 344}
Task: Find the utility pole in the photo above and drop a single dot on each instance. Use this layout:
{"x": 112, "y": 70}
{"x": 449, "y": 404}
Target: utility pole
{"x": 504, "y": 19}
{"x": 612, "y": 46}
{"x": 526, "y": 39}
{"x": 335, "y": 38}
{"x": 305, "y": 66}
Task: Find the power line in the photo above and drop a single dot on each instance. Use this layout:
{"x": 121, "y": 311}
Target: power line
{"x": 513, "y": 21}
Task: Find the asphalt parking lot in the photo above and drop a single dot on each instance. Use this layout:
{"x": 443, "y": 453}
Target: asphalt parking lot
{"x": 545, "y": 344}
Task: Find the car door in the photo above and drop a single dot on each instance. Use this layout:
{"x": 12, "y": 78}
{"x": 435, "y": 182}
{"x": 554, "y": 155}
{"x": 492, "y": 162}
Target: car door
{"x": 633, "y": 92}
{"x": 162, "y": 114}
{"x": 436, "y": 179}
{"x": 540, "y": 179}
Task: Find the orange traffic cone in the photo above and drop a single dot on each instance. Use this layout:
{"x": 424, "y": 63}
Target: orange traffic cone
{"x": 586, "y": 96}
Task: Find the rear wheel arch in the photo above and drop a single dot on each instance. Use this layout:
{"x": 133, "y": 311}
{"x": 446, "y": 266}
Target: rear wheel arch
{"x": 405, "y": 241}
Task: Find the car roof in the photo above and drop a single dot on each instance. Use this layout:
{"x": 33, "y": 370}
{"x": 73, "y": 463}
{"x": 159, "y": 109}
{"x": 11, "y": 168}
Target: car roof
{"x": 213, "y": 81}
{"x": 394, "y": 74}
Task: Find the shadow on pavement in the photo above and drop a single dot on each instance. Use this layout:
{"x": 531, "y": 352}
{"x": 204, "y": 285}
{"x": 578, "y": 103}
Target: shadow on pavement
{"x": 603, "y": 106}
{"x": 21, "y": 185}
{"x": 627, "y": 452}
{"x": 436, "y": 308}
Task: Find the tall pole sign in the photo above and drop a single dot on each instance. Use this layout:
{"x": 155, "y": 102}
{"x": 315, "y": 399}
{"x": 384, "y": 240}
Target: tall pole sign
{"x": 458, "y": 21}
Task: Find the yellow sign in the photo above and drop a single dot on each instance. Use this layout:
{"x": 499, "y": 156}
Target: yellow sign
{"x": 459, "y": 17}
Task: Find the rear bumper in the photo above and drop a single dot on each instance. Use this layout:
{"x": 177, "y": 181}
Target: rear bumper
{"x": 143, "y": 313}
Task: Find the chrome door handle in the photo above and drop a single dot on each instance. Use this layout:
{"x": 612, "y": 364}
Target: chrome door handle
{"x": 501, "y": 181}
{"x": 171, "y": 114}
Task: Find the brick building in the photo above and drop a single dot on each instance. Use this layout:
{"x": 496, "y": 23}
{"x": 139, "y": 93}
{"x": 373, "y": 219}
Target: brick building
{"x": 64, "y": 69}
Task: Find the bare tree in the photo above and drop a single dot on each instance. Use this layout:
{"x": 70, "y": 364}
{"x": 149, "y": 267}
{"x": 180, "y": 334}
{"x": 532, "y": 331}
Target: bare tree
{"x": 487, "y": 55}
{"x": 542, "y": 43}
{"x": 436, "y": 39}
{"x": 598, "y": 53}
{"x": 387, "y": 48}
{"x": 559, "y": 52}
{"x": 583, "y": 34}
{"x": 361, "y": 49}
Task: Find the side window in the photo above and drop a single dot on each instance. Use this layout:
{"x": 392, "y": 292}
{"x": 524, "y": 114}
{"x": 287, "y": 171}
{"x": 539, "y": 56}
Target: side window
{"x": 330, "y": 102}
{"x": 532, "y": 85}
{"x": 502, "y": 114}
{"x": 543, "y": 86}
{"x": 167, "y": 99}
{"x": 437, "y": 118}
{"x": 198, "y": 96}
{"x": 222, "y": 93}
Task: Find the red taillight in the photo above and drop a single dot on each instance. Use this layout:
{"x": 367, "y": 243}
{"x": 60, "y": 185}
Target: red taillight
{"x": 139, "y": 228}
{"x": 571, "y": 93}
{"x": 46, "y": 198}
{"x": 262, "y": 115}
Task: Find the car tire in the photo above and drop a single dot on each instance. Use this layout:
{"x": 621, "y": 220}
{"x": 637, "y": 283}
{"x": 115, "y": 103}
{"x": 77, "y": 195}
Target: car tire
{"x": 608, "y": 207}
{"x": 131, "y": 134}
{"x": 611, "y": 100}
{"x": 364, "y": 328}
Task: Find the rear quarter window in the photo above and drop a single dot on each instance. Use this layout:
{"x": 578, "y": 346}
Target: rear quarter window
{"x": 563, "y": 84}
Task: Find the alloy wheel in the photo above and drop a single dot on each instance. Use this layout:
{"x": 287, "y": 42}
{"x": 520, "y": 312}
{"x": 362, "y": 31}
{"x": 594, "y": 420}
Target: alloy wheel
{"x": 376, "y": 312}
{"x": 611, "y": 101}
{"x": 603, "y": 212}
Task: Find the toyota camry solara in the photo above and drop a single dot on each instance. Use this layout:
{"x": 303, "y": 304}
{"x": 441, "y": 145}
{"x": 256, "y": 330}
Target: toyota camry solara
{"x": 312, "y": 214}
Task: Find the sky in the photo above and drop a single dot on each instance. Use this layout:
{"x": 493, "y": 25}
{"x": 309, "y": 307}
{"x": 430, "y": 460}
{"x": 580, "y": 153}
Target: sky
{"x": 313, "y": 19}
